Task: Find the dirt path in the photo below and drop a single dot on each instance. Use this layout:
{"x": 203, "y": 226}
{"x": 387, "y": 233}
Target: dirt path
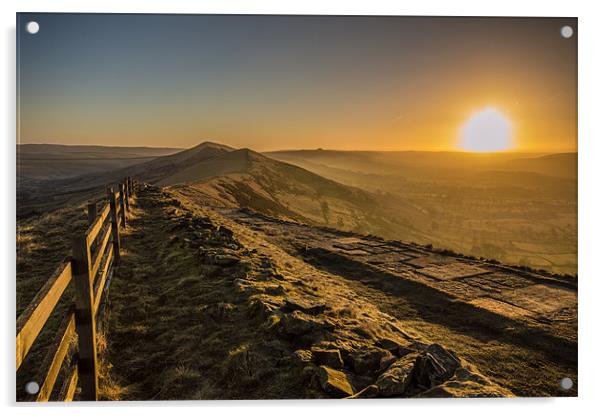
{"x": 178, "y": 329}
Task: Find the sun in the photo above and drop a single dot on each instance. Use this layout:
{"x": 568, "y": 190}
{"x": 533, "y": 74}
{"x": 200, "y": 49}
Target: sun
{"x": 486, "y": 131}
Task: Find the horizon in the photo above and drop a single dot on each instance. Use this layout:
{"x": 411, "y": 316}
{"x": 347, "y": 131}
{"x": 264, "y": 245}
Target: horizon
{"x": 517, "y": 152}
{"x": 362, "y": 83}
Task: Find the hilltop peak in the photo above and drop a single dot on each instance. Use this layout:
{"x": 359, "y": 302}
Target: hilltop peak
{"x": 211, "y": 144}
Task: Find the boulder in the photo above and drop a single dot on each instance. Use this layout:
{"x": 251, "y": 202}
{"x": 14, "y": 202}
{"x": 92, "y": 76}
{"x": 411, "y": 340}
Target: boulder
{"x": 313, "y": 307}
{"x": 396, "y": 380}
{"x": 368, "y": 361}
{"x": 225, "y": 259}
{"x": 334, "y": 382}
{"x": 435, "y": 366}
{"x": 368, "y": 392}
{"x": 274, "y": 290}
{"x": 298, "y": 324}
{"x": 328, "y": 357}
{"x": 396, "y": 347}
{"x": 262, "y": 307}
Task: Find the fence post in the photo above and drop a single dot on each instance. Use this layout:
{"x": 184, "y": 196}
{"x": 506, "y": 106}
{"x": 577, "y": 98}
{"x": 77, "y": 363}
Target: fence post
{"x": 85, "y": 323}
{"x": 114, "y": 227}
{"x": 92, "y": 212}
{"x": 126, "y": 185}
{"x": 122, "y": 203}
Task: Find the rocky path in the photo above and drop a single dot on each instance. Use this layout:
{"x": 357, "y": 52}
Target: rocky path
{"x": 230, "y": 305}
{"x": 519, "y": 327}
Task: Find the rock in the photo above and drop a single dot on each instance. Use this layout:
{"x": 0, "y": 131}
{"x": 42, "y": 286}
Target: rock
{"x": 385, "y": 362}
{"x": 274, "y": 290}
{"x": 334, "y": 382}
{"x": 366, "y": 393}
{"x": 434, "y": 366}
{"x": 368, "y": 361}
{"x": 298, "y": 324}
{"x": 312, "y": 307}
{"x": 241, "y": 285}
{"x": 225, "y": 232}
{"x": 394, "y": 346}
{"x": 396, "y": 380}
{"x": 262, "y": 307}
{"x": 303, "y": 356}
{"x": 218, "y": 311}
{"x": 225, "y": 259}
{"x": 253, "y": 361}
{"x": 328, "y": 357}
{"x": 467, "y": 383}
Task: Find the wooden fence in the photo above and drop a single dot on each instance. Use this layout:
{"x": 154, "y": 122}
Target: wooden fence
{"x": 95, "y": 252}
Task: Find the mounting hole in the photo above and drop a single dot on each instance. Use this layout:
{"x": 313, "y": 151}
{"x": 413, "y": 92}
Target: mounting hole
{"x": 566, "y": 383}
{"x": 32, "y": 388}
{"x": 32, "y": 27}
{"x": 566, "y": 32}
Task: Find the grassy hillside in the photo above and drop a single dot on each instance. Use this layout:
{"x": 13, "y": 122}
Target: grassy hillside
{"x": 516, "y": 208}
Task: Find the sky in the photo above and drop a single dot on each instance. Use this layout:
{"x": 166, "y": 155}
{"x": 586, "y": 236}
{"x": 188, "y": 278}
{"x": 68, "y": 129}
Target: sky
{"x": 293, "y": 82}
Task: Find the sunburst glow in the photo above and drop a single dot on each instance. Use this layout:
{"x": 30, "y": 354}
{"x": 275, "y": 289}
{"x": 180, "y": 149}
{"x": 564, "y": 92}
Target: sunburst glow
{"x": 486, "y": 131}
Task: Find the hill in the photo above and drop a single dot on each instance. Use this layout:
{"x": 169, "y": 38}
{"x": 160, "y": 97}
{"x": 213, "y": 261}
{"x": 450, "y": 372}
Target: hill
{"x": 56, "y": 161}
{"x": 498, "y": 206}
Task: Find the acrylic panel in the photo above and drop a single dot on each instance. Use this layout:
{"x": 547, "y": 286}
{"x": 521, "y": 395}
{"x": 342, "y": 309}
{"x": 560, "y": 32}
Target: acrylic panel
{"x": 295, "y": 207}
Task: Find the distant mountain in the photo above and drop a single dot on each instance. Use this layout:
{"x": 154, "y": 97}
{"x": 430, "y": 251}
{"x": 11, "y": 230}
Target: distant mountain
{"x": 57, "y": 161}
{"x": 560, "y": 165}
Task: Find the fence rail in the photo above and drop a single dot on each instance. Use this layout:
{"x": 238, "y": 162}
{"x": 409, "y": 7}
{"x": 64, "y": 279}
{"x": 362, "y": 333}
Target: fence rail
{"x": 95, "y": 252}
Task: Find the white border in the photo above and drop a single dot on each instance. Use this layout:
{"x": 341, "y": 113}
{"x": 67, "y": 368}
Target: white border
{"x": 590, "y": 231}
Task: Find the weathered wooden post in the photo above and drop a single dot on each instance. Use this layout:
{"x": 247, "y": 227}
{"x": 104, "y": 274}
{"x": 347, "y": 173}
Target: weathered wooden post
{"x": 122, "y": 203}
{"x": 85, "y": 323}
{"x": 131, "y": 184}
{"x": 114, "y": 224}
{"x": 127, "y": 194}
{"x": 92, "y": 212}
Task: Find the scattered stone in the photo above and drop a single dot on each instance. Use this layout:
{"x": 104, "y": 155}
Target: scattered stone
{"x": 303, "y": 356}
{"x": 262, "y": 307}
{"x": 328, "y": 357}
{"x": 218, "y": 311}
{"x": 225, "y": 259}
{"x": 368, "y": 361}
{"x": 435, "y": 366}
{"x": 225, "y": 232}
{"x": 385, "y": 362}
{"x": 241, "y": 285}
{"x": 312, "y": 307}
{"x": 275, "y": 290}
{"x": 334, "y": 382}
{"x": 396, "y": 347}
{"x": 298, "y": 324}
{"x": 368, "y": 392}
{"x": 467, "y": 383}
{"x": 396, "y": 380}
